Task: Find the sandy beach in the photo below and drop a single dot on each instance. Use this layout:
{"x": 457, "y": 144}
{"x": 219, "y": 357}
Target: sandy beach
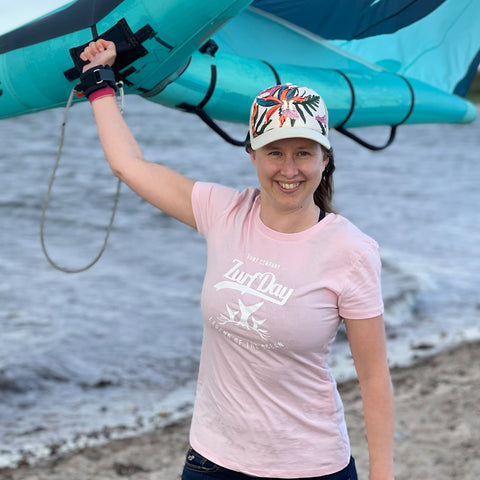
{"x": 437, "y": 431}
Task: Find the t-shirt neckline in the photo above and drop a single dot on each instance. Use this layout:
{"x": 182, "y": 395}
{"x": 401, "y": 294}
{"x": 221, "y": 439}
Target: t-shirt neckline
{"x": 292, "y": 237}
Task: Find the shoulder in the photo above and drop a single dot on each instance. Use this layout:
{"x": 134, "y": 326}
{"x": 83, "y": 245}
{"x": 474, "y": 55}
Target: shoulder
{"x": 208, "y": 192}
{"x": 349, "y": 235}
{"x": 212, "y": 201}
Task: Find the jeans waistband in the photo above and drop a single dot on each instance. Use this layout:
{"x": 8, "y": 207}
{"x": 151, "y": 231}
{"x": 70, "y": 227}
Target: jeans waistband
{"x": 216, "y": 471}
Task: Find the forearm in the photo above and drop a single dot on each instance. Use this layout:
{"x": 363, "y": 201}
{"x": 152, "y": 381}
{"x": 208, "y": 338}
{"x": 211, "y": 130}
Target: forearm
{"x": 378, "y": 407}
{"x": 119, "y": 145}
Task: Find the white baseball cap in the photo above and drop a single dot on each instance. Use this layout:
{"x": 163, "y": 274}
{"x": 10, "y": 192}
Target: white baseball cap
{"x": 288, "y": 111}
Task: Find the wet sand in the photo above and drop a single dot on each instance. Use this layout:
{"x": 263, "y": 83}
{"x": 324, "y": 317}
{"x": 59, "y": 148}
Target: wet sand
{"x": 437, "y": 431}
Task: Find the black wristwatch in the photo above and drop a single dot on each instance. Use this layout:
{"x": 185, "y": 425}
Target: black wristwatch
{"x": 96, "y": 78}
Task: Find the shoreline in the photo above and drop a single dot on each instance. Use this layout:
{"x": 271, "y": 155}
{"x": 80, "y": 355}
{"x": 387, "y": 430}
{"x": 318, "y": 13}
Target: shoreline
{"x": 437, "y": 431}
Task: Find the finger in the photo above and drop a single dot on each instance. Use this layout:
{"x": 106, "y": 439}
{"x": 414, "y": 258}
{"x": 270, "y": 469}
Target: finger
{"x": 100, "y": 51}
{"x": 86, "y": 55}
{"x": 106, "y": 45}
{"x": 102, "y": 44}
{"x": 94, "y": 49}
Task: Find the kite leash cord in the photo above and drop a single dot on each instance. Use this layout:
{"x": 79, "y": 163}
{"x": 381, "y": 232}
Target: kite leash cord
{"x": 49, "y": 191}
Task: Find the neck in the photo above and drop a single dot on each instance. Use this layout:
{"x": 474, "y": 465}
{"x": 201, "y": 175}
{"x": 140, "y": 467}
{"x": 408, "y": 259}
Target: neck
{"x": 290, "y": 221}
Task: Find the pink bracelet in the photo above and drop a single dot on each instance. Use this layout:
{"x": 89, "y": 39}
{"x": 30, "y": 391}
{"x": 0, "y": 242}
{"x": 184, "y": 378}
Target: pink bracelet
{"x": 102, "y": 92}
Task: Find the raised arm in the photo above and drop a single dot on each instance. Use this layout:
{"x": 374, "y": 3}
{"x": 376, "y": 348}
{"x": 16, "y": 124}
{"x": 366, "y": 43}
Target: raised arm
{"x": 368, "y": 347}
{"x": 161, "y": 186}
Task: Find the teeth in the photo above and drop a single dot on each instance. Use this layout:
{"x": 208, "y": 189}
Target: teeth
{"x": 289, "y": 186}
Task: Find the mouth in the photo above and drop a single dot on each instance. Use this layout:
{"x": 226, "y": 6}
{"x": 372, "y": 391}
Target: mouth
{"x": 289, "y": 186}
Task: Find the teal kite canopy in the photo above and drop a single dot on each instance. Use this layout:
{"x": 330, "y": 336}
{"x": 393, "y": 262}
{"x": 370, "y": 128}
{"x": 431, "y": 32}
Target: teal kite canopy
{"x": 417, "y": 26}
{"x": 383, "y": 62}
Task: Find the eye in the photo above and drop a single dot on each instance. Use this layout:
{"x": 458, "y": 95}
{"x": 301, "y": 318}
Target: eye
{"x": 275, "y": 153}
{"x": 304, "y": 153}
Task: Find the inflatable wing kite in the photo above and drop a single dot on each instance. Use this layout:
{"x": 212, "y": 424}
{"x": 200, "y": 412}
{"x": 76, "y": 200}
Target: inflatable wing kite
{"x": 375, "y": 62}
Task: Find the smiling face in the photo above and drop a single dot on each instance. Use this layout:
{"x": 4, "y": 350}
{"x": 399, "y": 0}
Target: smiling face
{"x": 289, "y": 171}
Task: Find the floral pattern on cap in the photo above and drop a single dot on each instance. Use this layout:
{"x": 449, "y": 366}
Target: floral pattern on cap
{"x": 290, "y": 105}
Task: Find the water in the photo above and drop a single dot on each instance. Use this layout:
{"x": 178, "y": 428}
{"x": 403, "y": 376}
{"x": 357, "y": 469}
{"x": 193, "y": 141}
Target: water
{"x": 114, "y": 351}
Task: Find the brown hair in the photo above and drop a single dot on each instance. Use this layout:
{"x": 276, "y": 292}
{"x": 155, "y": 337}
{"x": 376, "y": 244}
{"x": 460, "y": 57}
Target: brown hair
{"x": 324, "y": 193}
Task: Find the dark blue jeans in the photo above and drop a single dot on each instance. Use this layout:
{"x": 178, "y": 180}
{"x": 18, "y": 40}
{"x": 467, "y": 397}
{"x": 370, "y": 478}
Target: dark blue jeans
{"x": 199, "y": 468}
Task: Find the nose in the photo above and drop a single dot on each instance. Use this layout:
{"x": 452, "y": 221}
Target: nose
{"x": 289, "y": 167}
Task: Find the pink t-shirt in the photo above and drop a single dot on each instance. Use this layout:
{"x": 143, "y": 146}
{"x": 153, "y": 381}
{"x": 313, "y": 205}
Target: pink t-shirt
{"x": 266, "y": 402}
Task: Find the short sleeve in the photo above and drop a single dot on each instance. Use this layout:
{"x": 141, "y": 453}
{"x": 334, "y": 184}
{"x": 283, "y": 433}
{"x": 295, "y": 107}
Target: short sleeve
{"x": 361, "y": 296}
{"x": 209, "y": 202}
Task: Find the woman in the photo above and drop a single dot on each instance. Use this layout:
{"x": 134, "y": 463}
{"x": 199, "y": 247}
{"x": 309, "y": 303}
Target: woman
{"x": 283, "y": 271}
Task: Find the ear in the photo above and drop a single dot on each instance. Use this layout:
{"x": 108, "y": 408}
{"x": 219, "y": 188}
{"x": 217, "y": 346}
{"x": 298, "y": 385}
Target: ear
{"x": 253, "y": 156}
{"x": 324, "y": 162}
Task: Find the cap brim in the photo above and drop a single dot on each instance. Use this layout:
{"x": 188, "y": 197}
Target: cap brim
{"x": 286, "y": 132}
